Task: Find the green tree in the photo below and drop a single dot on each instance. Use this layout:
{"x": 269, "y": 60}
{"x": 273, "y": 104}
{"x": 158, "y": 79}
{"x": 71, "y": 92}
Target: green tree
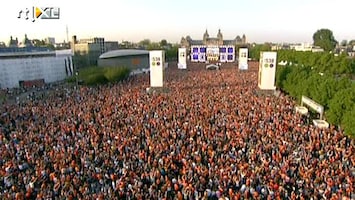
{"x": 145, "y": 43}
{"x": 163, "y": 43}
{"x": 324, "y": 38}
{"x": 342, "y": 102}
{"x": 172, "y": 53}
{"x": 317, "y": 88}
{"x": 351, "y": 42}
{"x": 38, "y": 43}
{"x": 295, "y": 83}
{"x": 154, "y": 46}
{"x": 255, "y": 49}
{"x": 281, "y": 75}
{"x": 343, "y": 43}
{"x": 348, "y": 122}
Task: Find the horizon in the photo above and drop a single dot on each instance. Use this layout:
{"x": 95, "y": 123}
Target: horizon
{"x": 274, "y": 21}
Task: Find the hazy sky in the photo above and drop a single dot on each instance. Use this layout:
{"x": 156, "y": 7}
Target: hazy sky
{"x": 134, "y": 20}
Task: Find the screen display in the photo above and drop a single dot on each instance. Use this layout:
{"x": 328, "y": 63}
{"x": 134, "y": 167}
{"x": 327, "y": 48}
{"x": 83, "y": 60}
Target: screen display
{"x": 230, "y": 57}
{"x": 203, "y": 50}
{"x": 195, "y": 57}
{"x": 222, "y": 50}
{"x": 195, "y": 50}
{"x": 230, "y": 50}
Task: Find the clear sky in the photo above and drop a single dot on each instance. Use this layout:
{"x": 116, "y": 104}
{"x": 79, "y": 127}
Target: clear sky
{"x": 135, "y": 20}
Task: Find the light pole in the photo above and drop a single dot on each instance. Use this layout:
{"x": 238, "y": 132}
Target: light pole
{"x": 76, "y": 79}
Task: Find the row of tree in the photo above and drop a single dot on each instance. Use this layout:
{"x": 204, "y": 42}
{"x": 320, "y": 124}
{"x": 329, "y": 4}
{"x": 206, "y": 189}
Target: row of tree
{"x": 321, "y": 62}
{"x": 324, "y": 78}
{"x": 171, "y": 50}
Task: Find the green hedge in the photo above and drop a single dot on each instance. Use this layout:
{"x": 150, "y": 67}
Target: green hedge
{"x": 113, "y": 74}
{"x": 100, "y": 75}
{"x": 95, "y": 79}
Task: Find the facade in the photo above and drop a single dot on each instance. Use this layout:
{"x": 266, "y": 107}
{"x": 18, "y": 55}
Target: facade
{"x": 212, "y": 49}
{"x": 131, "y": 58}
{"x": 91, "y": 48}
{"x": 111, "y": 45}
{"x": 13, "y": 42}
{"x": 212, "y": 41}
{"x": 96, "y": 40}
{"x": 306, "y": 47}
{"x": 50, "y": 40}
{"x": 32, "y": 66}
{"x": 26, "y": 42}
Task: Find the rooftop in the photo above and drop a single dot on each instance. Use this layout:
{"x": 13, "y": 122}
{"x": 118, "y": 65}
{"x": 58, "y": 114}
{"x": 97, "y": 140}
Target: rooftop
{"x": 23, "y": 49}
{"x": 123, "y": 52}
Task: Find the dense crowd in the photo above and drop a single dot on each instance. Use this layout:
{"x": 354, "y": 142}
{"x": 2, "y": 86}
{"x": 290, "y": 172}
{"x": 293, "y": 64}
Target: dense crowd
{"x": 211, "y": 136}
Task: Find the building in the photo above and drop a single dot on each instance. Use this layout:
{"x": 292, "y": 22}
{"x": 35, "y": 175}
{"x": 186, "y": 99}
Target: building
{"x": 212, "y": 49}
{"x": 26, "y": 42}
{"x": 276, "y": 47}
{"x": 209, "y": 41}
{"x": 90, "y": 48}
{"x": 33, "y": 66}
{"x": 111, "y": 45}
{"x": 131, "y": 58}
{"x": 96, "y": 40}
{"x": 50, "y": 40}
{"x": 13, "y": 42}
{"x": 306, "y": 47}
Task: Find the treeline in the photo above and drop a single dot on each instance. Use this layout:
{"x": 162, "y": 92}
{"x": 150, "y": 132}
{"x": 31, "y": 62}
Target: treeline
{"x": 171, "y": 50}
{"x": 321, "y": 62}
{"x": 323, "y": 77}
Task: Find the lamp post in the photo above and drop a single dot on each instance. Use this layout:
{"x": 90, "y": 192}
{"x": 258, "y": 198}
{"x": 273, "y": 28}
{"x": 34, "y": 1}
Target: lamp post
{"x": 76, "y": 79}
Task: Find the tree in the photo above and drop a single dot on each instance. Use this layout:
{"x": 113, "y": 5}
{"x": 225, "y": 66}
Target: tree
{"x": 342, "y": 102}
{"x": 351, "y": 42}
{"x": 171, "y": 53}
{"x": 348, "y": 122}
{"x": 145, "y": 43}
{"x": 154, "y": 46}
{"x": 38, "y": 43}
{"x": 255, "y": 49}
{"x": 343, "y": 43}
{"x": 281, "y": 75}
{"x": 163, "y": 43}
{"x": 324, "y": 38}
{"x": 295, "y": 83}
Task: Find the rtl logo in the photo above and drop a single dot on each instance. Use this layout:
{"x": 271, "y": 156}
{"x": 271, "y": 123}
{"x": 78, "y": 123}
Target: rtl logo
{"x": 40, "y": 13}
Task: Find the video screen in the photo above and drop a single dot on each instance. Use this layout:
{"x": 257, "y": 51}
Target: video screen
{"x": 230, "y": 50}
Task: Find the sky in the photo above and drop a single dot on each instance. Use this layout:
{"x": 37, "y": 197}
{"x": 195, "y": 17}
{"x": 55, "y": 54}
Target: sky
{"x": 278, "y": 21}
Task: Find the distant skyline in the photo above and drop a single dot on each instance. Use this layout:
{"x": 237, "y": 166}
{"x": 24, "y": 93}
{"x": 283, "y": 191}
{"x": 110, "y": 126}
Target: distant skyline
{"x": 290, "y": 21}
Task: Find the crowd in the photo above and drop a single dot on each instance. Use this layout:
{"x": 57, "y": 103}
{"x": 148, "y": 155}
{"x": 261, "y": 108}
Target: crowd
{"x": 211, "y": 136}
